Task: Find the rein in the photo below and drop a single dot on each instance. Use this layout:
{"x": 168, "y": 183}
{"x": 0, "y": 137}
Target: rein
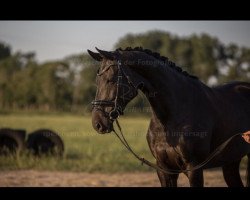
{"x": 217, "y": 151}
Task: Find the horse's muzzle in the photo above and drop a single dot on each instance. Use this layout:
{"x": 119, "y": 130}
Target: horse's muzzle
{"x": 101, "y": 123}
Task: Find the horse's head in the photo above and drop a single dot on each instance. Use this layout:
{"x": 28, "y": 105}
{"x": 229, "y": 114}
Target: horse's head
{"x": 115, "y": 88}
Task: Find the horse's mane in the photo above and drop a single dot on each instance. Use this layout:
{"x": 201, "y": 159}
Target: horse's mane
{"x": 159, "y": 57}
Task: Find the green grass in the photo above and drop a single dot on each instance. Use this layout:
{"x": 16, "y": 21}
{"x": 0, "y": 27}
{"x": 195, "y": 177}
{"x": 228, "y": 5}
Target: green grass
{"x": 85, "y": 150}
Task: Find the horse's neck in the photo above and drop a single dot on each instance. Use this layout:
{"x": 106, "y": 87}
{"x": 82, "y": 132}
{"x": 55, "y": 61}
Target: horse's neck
{"x": 169, "y": 93}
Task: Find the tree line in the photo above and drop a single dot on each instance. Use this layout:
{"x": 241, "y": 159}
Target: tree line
{"x": 68, "y": 84}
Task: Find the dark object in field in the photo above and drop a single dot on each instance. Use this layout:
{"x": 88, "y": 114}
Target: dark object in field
{"x": 12, "y": 141}
{"x": 189, "y": 119}
{"x": 45, "y": 142}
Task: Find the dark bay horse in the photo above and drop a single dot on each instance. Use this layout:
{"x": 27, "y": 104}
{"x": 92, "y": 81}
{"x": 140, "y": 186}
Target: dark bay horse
{"x": 189, "y": 119}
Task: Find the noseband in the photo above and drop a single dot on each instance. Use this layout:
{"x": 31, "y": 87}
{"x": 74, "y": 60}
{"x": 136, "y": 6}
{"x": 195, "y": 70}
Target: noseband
{"x": 117, "y": 109}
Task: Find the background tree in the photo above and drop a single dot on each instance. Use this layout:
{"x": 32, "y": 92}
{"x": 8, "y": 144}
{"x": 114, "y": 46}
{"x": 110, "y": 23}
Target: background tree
{"x": 5, "y": 50}
{"x": 69, "y": 84}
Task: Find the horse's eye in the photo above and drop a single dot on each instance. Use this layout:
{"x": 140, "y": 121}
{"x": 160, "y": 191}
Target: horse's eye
{"x": 98, "y": 71}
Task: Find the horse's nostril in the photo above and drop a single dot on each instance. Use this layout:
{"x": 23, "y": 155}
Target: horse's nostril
{"x": 98, "y": 126}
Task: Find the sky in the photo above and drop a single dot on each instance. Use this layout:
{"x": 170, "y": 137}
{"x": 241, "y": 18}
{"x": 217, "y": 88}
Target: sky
{"x": 53, "y": 40}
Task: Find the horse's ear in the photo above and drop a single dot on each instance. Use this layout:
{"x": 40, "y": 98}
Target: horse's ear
{"x": 94, "y": 55}
{"x": 106, "y": 54}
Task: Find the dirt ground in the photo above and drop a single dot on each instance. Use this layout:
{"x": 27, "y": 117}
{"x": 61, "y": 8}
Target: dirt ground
{"x": 31, "y": 178}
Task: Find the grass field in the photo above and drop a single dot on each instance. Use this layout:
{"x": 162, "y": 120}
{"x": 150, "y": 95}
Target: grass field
{"x": 85, "y": 150}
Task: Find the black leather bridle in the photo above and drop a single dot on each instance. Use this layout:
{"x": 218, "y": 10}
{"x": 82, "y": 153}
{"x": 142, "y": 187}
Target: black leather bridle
{"x": 117, "y": 109}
